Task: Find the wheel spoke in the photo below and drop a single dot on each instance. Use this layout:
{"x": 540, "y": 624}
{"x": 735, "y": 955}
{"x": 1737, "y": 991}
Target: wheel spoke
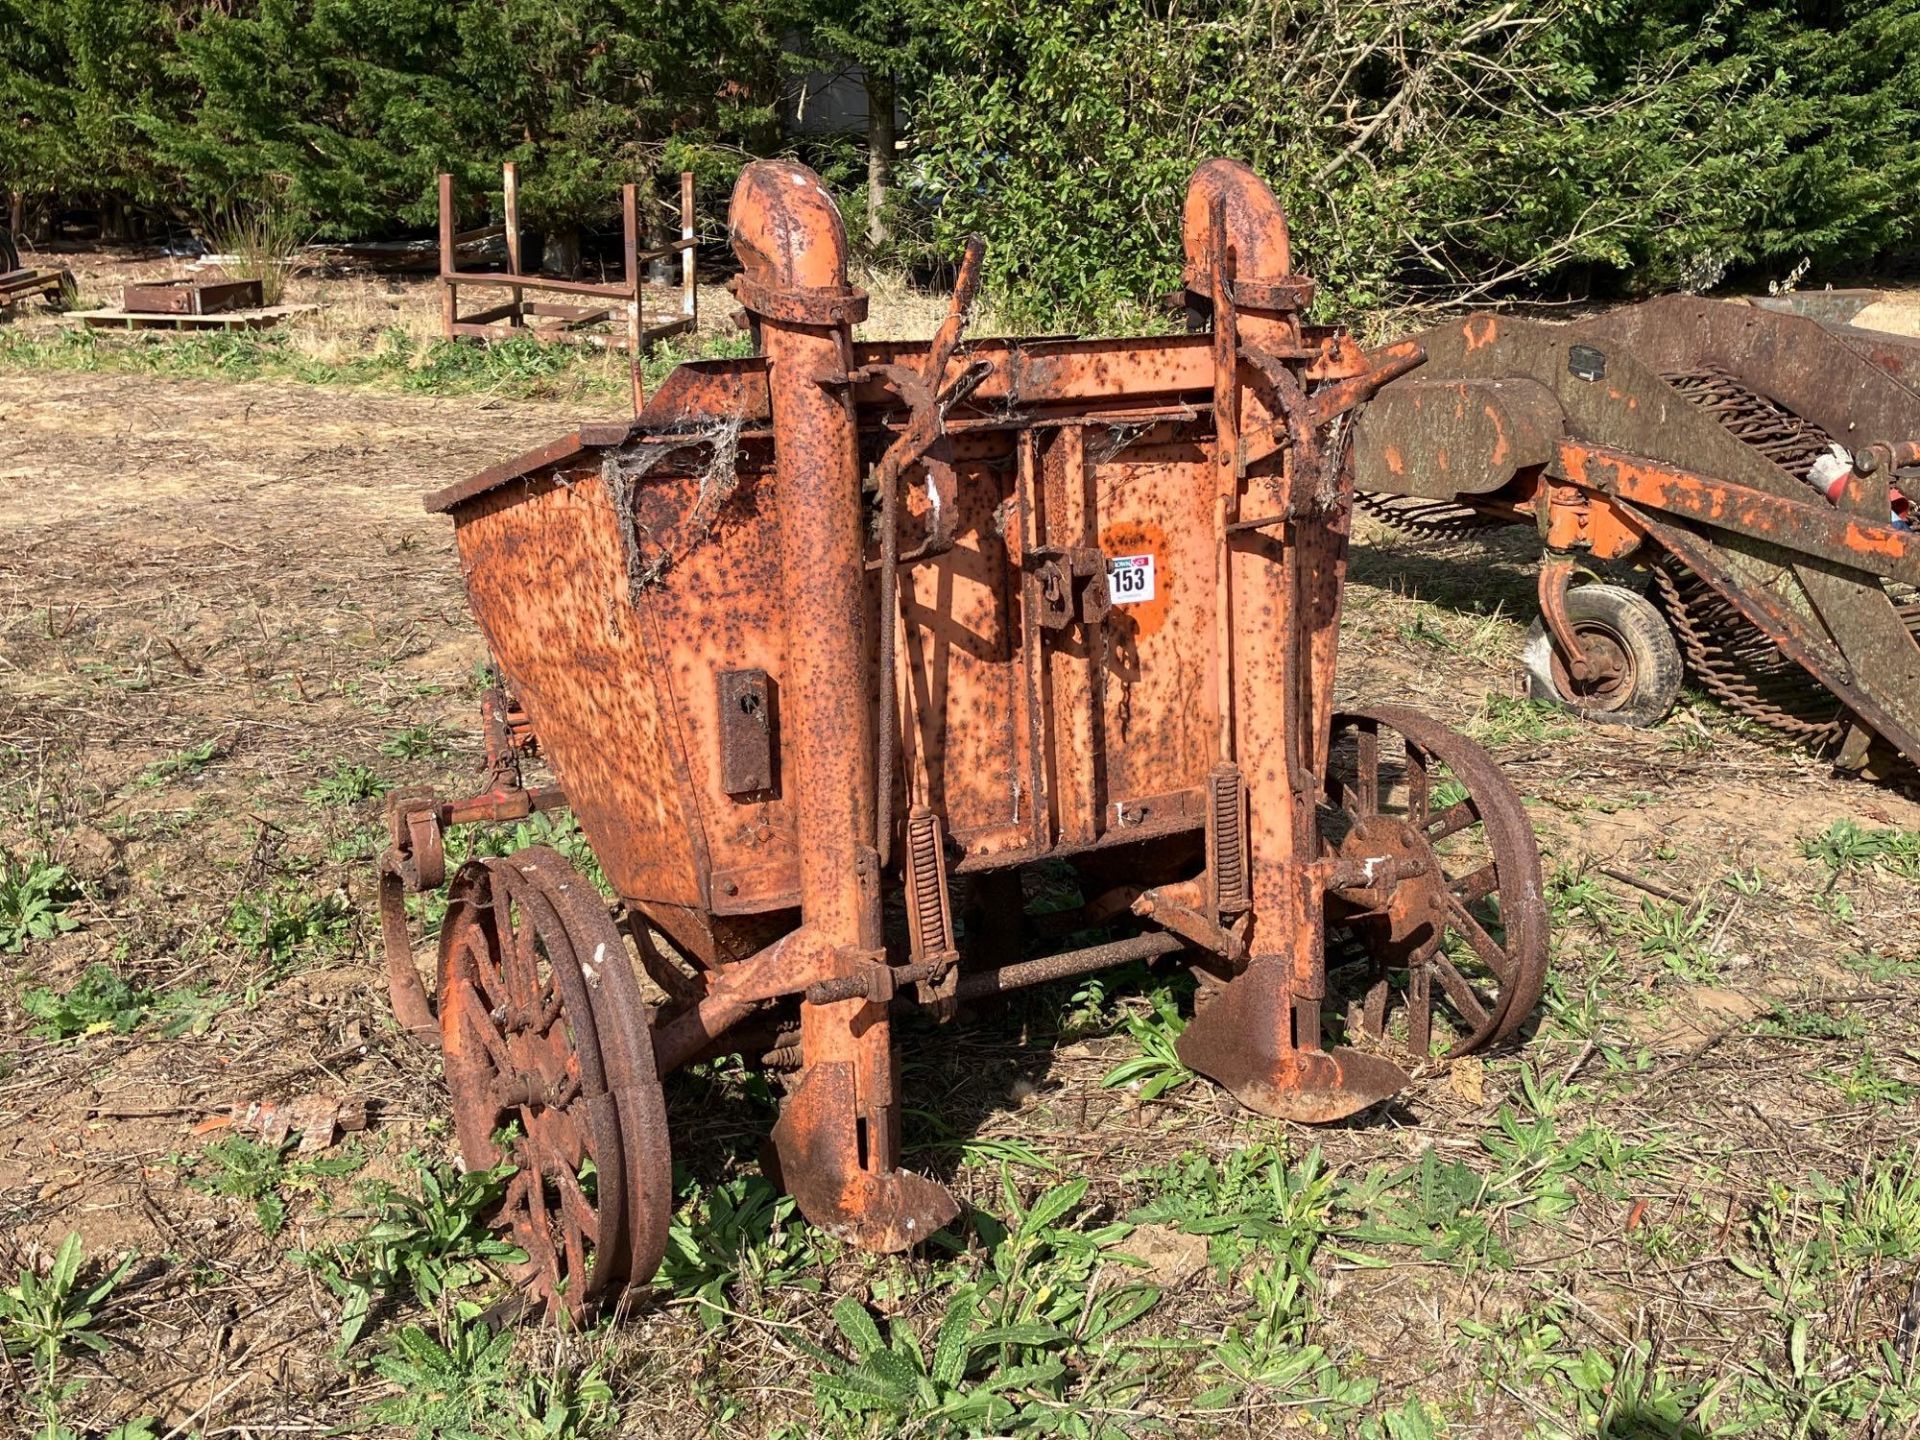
{"x": 1452, "y": 820}
{"x": 479, "y": 1020}
{"x": 524, "y": 983}
{"x": 539, "y": 1242}
{"x": 1469, "y": 1004}
{"x": 1373, "y": 1012}
{"x": 550, "y": 1007}
{"x": 1484, "y": 945}
{"x": 1471, "y": 888}
{"x": 575, "y": 1208}
{"x": 1419, "y": 1011}
{"x": 1367, "y": 769}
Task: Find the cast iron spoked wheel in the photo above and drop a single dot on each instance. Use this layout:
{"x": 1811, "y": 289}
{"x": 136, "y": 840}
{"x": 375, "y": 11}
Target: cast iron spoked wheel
{"x": 541, "y": 1075}
{"x": 1470, "y": 931}
{"x": 1633, "y": 662}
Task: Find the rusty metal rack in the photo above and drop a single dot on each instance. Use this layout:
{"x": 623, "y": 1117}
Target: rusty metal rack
{"x": 553, "y": 320}
{"x": 1759, "y": 466}
{"x": 831, "y": 643}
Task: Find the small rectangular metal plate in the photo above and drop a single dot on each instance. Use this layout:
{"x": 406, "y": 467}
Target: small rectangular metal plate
{"x": 746, "y": 731}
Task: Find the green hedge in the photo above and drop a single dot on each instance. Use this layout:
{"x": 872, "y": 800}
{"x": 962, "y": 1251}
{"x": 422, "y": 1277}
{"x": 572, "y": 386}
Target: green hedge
{"x": 1455, "y": 150}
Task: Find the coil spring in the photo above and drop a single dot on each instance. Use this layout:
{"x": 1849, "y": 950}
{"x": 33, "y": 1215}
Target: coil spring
{"x": 923, "y": 865}
{"x": 1229, "y": 840}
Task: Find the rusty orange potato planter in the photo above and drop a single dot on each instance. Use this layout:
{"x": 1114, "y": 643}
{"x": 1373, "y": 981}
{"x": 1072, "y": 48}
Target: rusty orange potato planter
{"x": 829, "y": 643}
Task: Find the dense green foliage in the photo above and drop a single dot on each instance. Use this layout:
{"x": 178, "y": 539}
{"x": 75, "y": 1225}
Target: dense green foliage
{"x": 1460, "y": 148}
{"x": 1464, "y": 147}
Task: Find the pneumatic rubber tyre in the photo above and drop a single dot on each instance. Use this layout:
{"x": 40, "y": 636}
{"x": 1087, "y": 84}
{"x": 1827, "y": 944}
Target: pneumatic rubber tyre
{"x": 1636, "y": 662}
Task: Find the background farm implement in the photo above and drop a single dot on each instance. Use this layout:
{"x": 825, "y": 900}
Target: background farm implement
{"x": 1755, "y": 464}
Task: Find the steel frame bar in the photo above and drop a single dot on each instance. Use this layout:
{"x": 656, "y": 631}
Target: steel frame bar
{"x": 630, "y": 293}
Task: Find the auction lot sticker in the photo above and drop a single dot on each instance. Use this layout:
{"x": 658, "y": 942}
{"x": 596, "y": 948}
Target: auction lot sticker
{"x": 1130, "y": 579}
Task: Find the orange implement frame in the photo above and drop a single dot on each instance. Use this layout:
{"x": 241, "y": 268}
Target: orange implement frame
{"x": 625, "y": 303}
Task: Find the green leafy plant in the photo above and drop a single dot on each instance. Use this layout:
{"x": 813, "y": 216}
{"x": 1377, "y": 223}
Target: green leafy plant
{"x": 44, "y": 1317}
{"x": 416, "y": 742}
{"x": 190, "y": 761}
{"x": 1511, "y": 720}
{"x": 894, "y": 1376}
{"x": 1443, "y": 1209}
{"x": 1158, "y": 1067}
{"x": 463, "y": 1384}
{"x": 35, "y": 895}
{"x": 1678, "y": 936}
{"x": 99, "y": 1002}
{"x": 424, "y": 1245}
{"x": 743, "y": 1231}
{"x": 345, "y": 785}
{"x": 1265, "y": 1219}
{"x": 1030, "y": 1343}
{"x": 1846, "y": 845}
{"x": 246, "y": 1169}
{"x": 279, "y": 925}
{"x": 450, "y": 1385}
{"x": 1869, "y": 1083}
{"x": 1253, "y": 1201}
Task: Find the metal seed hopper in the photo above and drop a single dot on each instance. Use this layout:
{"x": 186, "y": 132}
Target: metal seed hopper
{"x": 1759, "y": 466}
{"x": 830, "y": 644}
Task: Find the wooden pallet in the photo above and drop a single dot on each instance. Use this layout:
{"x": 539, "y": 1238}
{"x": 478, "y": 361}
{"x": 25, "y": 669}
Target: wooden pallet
{"x": 264, "y": 318}
{"x": 18, "y": 286}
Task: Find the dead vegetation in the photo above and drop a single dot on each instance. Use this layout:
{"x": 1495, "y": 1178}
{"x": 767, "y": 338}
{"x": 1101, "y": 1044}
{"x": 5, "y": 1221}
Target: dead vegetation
{"x": 1686, "y": 1207}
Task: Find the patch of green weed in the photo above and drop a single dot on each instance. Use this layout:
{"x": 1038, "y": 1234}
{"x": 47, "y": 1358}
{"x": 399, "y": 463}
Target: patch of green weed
{"x": 98, "y": 1002}
{"x": 346, "y": 785}
{"x": 426, "y": 1245}
{"x": 35, "y": 896}
{"x": 190, "y": 761}
{"x": 244, "y": 1169}
{"x": 741, "y": 1233}
{"x": 1846, "y": 845}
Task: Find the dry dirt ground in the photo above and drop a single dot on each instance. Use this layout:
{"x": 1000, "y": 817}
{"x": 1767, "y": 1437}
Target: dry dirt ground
{"x": 1686, "y": 1206}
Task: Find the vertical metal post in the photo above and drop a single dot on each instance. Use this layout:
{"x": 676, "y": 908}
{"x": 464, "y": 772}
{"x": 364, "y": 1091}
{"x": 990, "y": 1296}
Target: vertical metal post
{"x": 1263, "y": 1042}
{"x": 838, "y": 1136}
{"x": 630, "y": 258}
{"x": 689, "y": 290}
{"x": 510, "y": 194}
{"x": 449, "y": 294}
